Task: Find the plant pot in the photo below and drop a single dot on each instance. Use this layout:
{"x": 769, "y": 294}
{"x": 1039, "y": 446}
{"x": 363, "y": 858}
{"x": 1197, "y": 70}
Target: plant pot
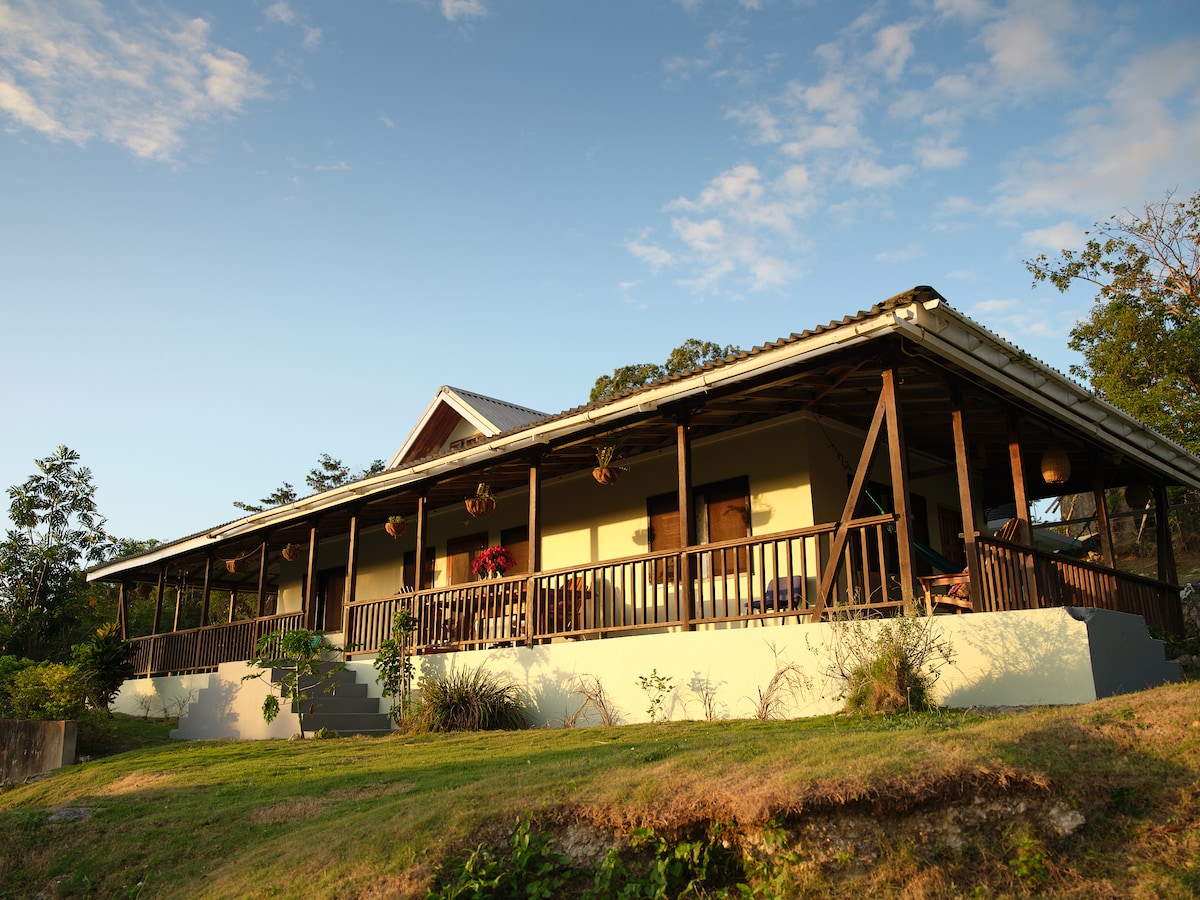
{"x": 292, "y": 552}
{"x": 234, "y": 566}
{"x": 478, "y": 507}
{"x": 606, "y": 474}
{"x": 395, "y": 529}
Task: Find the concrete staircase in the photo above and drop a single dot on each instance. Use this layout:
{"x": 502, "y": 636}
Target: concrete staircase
{"x": 347, "y": 710}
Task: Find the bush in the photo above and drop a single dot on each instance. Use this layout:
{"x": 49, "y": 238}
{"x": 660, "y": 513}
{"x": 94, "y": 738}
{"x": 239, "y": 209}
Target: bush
{"x": 48, "y": 691}
{"x": 891, "y": 666}
{"x": 105, "y": 662}
{"x": 471, "y": 700}
{"x": 9, "y": 667}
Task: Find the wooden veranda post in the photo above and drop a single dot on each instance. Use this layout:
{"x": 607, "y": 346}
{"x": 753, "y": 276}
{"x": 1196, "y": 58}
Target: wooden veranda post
{"x": 123, "y": 609}
{"x": 262, "y": 580}
{"x": 204, "y": 600}
{"x": 1021, "y": 500}
{"x": 898, "y": 458}
{"x": 351, "y": 565}
{"x": 687, "y": 520}
{"x": 1167, "y": 572}
{"x": 158, "y": 600}
{"x": 422, "y": 528}
{"x": 533, "y": 604}
{"x": 1103, "y": 525}
{"x": 838, "y": 543}
{"x": 962, "y": 467}
{"x": 309, "y": 606}
{"x": 178, "y": 604}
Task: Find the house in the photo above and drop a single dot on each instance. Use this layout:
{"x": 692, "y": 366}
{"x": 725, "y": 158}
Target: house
{"x": 850, "y": 467}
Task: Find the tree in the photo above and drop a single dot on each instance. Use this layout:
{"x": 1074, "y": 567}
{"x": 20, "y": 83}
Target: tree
{"x": 296, "y": 663}
{"x": 688, "y": 355}
{"x": 58, "y": 530}
{"x": 1141, "y": 341}
{"x": 326, "y": 474}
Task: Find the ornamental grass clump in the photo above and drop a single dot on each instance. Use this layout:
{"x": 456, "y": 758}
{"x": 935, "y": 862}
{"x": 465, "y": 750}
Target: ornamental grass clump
{"x": 889, "y": 667}
{"x": 470, "y": 700}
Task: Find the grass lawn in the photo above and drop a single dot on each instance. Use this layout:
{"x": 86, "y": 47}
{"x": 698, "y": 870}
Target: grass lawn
{"x": 937, "y": 805}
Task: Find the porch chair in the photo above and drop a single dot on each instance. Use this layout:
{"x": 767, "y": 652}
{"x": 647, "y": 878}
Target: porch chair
{"x": 781, "y": 593}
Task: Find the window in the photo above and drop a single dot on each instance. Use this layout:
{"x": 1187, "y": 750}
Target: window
{"x": 722, "y": 514}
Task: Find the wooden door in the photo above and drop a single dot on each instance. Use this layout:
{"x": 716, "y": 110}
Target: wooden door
{"x": 460, "y": 553}
{"x": 331, "y": 592}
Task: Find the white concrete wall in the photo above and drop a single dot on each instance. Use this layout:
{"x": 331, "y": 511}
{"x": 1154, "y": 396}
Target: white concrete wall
{"x": 1029, "y": 657}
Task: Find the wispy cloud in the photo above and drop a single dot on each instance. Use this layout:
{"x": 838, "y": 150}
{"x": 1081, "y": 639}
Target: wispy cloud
{"x": 454, "y": 10}
{"x": 1141, "y": 137}
{"x": 71, "y": 71}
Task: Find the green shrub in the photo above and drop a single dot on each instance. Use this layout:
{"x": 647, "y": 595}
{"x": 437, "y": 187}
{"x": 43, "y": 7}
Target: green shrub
{"x": 9, "y": 667}
{"x": 48, "y": 691}
{"x": 471, "y": 700}
{"x": 890, "y": 666}
{"x": 105, "y": 662}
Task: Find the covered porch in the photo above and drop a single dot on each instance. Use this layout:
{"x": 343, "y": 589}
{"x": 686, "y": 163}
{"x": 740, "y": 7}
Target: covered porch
{"x": 922, "y": 420}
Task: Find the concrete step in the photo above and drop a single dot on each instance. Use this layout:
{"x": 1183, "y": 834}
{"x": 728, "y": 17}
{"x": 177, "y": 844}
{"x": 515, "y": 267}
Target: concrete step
{"x": 347, "y": 709}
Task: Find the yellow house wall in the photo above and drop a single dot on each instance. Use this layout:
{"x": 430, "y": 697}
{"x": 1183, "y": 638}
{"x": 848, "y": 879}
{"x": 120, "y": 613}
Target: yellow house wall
{"x": 796, "y": 480}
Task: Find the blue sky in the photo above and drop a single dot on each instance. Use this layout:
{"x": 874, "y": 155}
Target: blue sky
{"x": 236, "y": 235}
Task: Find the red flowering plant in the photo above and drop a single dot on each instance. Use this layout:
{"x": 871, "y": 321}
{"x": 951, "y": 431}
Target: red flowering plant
{"x": 493, "y": 561}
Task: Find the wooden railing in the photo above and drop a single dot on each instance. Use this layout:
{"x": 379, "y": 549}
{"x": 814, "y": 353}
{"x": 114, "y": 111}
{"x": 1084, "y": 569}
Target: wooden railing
{"x": 203, "y": 649}
{"x": 1015, "y": 577}
{"x": 734, "y": 581}
{"x": 772, "y": 579}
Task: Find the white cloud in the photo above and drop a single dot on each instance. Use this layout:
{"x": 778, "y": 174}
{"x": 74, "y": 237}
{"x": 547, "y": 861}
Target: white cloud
{"x": 994, "y": 306}
{"x": 70, "y": 71}
{"x": 654, "y": 256}
{"x": 1141, "y": 139}
{"x": 387, "y": 121}
{"x": 866, "y": 173}
{"x": 903, "y": 254}
{"x": 893, "y": 47}
{"x": 1064, "y": 235}
{"x": 937, "y": 153}
{"x": 454, "y": 10}
{"x": 280, "y": 12}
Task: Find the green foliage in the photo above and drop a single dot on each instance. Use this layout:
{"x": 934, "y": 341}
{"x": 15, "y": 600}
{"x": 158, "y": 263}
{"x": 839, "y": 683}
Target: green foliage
{"x": 9, "y": 667}
{"x": 657, "y": 688}
{"x": 43, "y": 610}
{"x": 470, "y": 700}
{"x": 328, "y": 473}
{"x": 889, "y": 666}
{"x": 301, "y": 662}
{"x": 47, "y": 691}
{"x": 104, "y": 662}
{"x": 394, "y": 664}
{"x": 1141, "y": 341}
{"x": 688, "y": 355}
{"x": 529, "y": 869}
{"x": 1029, "y": 861}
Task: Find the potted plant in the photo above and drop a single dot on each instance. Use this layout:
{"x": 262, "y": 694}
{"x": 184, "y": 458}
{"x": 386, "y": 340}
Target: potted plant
{"x": 292, "y": 552}
{"x": 493, "y": 562}
{"x": 395, "y": 526}
{"x": 605, "y": 472}
{"x": 234, "y": 566}
{"x": 483, "y": 503}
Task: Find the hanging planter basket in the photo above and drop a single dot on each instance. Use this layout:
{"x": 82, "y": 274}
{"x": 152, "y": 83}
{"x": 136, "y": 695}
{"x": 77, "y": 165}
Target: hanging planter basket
{"x": 478, "y": 507}
{"x": 606, "y": 474}
{"x": 236, "y": 566}
{"x": 292, "y": 552}
{"x": 396, "y": 529}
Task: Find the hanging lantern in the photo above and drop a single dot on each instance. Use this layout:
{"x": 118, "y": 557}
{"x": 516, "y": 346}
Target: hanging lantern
{"x": 1137, "y": 496}
{"x": 1056, "y": 465}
